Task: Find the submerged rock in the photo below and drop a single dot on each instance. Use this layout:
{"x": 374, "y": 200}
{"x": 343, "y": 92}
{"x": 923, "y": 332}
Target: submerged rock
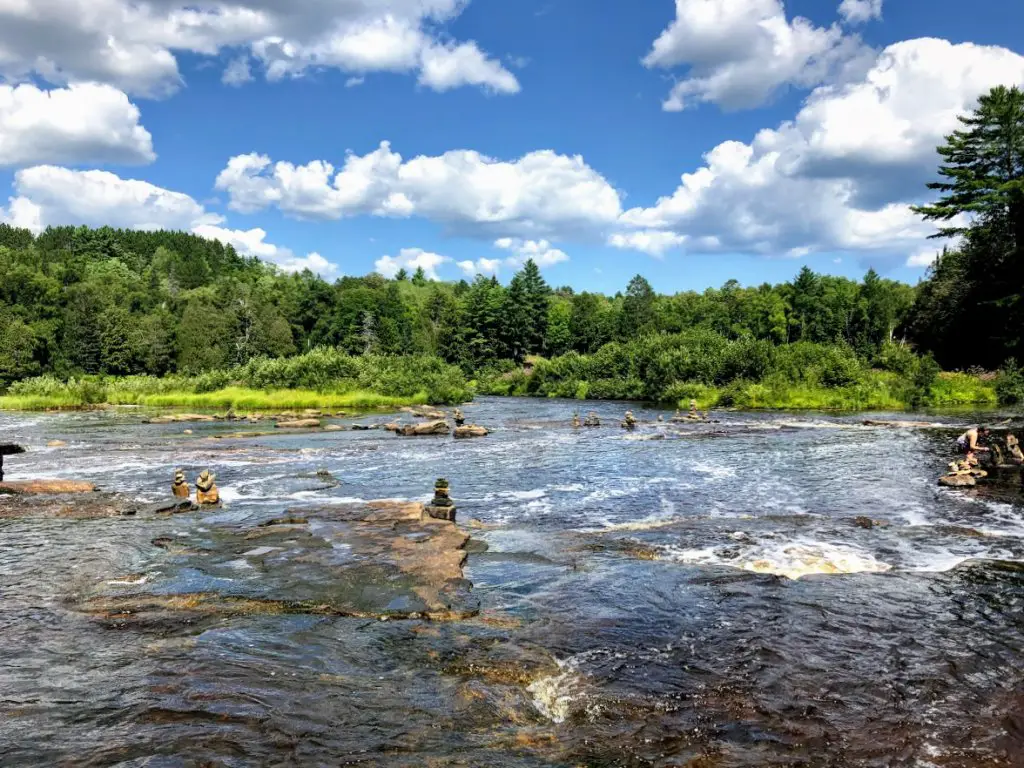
{"x": 958, "y": 481}
{"x": 403, "y": 565}
{"x": 470, "y": 430}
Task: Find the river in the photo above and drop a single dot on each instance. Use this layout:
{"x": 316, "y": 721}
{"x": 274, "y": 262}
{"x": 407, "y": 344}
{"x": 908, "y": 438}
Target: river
{"x": 694, "y": 596}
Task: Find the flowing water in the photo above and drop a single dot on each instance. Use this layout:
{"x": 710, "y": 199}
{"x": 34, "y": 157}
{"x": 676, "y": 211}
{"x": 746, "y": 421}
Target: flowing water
{"x": 672, "y": 596}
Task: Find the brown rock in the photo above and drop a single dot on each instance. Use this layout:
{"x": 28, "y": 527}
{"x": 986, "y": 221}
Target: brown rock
{"x": 56, "y": 444}
{"x": 298, "y": 424}
{"x": 32, "y": 487}
{"x": 334, "y": 428}
{"x": 957, "y": 481}
{"x": 439, "y": 427}
{"x": 470, "y": 430}
{"x": 174, "y": 418}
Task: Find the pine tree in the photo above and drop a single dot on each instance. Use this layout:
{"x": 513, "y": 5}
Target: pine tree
{"x": 537, "y": 298}
{"x": 401, "y": 276}
{"x": 419, "y": 277}
{"x": 637, "y": 308}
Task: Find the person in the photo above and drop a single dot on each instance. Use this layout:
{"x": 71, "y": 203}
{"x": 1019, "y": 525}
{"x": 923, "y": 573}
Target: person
{"x": 968, "y": 441}
{"x": 1013, "y": 446}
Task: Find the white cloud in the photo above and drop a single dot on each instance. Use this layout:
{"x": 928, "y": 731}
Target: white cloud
{"x": 238, "y": 72}
{"x": 81, "y": 123}
{"x": 540, "y": 194}
{"x": 411, "y": 259}
{"x": 480, "y": 267}
{"x": 650, "y": 241}
{"x": 50, "y": 195}
{"x": 860, "y": 11}
{"x": 541, "y": 251}
{"x": 843, "y": 174}
{"x": 134, "y": 45}
{"x": 925, "y": 257}
{"x": 354, "y": 82}
{"x": 741, "y": 52}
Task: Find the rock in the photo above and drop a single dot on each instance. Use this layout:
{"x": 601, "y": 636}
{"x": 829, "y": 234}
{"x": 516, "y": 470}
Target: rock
{"x": 174, "y": 418}
{"x": 77, "y": 506}
{"x": 187, "y": 432}
{"x": 180, "y": 486}
{"x": 171, "y": 507}
{"x": 470, "y": 430}
{"x": 298, "y": 424}
{"x": 439, "y": 427}
{"x": 334, "y": 428}
{"x": 392, "y": 427}
{"x": 364, "y": 427}
{"x": 8, "y": 449}
{"x": 864, "y": 522}
{"x": 32, "y": 487}
{"x": 56, "y": 444}
{"x": 206, "y": 489}
{"x": 957, "y": 481}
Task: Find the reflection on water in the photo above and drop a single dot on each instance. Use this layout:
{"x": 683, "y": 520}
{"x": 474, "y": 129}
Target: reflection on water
{"x": 701, "y": 599}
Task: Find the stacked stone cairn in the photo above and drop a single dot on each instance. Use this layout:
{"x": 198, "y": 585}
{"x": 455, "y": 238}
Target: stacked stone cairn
{"x": 441, "y": 507}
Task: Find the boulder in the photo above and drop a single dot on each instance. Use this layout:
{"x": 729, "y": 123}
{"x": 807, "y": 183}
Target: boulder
{"x": 32, "y": 487}
{"x": 439, "y": 427}
{"x": 298, "y": 424}
{"x": 470, "y": 430}
{"x": 334, "y": 428}
{"x": 957, "y": 481}
{"x": 392, "y": 427}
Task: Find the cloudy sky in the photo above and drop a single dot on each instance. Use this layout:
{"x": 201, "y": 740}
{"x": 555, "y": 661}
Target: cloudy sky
{"x": 692, "y": 141}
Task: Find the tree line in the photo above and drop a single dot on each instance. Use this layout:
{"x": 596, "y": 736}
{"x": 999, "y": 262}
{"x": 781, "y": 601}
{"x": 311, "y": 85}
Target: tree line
{"x": 119, "y": 302}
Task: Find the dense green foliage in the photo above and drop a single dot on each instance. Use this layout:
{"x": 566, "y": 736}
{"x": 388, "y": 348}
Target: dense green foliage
{"x": 970, "y": 310}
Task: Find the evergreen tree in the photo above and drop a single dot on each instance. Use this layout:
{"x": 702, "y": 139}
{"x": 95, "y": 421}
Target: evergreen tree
{"x": 537, "y": 300}
{"x": 401, "y": 276}
{"x": 419, "y": 277}
{"x": 637, "y": 308}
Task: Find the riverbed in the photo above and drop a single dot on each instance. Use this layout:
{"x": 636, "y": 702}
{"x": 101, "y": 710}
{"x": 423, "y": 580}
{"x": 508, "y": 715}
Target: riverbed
{"x": 676, "y": 595}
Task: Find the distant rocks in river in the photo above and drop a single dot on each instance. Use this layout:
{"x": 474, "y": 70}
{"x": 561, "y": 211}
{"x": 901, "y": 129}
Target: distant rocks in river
{"x": 36, "y": 487}
{"x": 470, "y": 430}
{"x": 311, "y": 423}
{"x": 439, "y": 427}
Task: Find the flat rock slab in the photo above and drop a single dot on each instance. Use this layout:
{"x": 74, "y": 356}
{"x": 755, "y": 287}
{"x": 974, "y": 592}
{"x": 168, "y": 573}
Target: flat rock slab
{"x": 67, "y": 506}
{"x": 298, "y": 424}
{"x": 381, "y": 560}
{"x": 174, "y": 418}
{"x": 33, "y": 487}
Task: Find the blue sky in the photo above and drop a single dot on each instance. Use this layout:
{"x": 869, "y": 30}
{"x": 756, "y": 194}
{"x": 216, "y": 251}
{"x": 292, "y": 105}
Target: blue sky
{"x": 580, "y": 116}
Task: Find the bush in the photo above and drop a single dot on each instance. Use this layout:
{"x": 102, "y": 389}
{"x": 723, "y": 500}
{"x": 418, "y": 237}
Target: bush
{"x": 1010, "y": 383}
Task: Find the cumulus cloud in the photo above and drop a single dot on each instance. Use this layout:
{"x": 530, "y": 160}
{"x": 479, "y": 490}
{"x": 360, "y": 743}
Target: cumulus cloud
{"x": 81, "y": 123}
{"x": 843, "y": 174}
{"x": 411, "y": 259}
{"x": 650, "y": 241}
{"x": 134, "y": 45}
{"x": 860, "y": 11}
{"x": 238, "y": 72}
{"x": 537, "y": 195}
{"x": 741, "y": 52}
{"x": 480, "y": 267}
{"x": 52, "y": 196}
{"x": 541, "y": 251}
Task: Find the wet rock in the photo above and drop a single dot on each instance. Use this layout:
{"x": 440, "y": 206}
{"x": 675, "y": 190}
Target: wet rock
{"x": 334, "y": 428}
{"x": 424, "y": 412}
{"x": 470, "y": 430}
{"x": 299, "y": 424}
{"x": 439, "y": 427}
{"x": 22, "y": 487}
{"x": 957, "y": 481}
{"x": 8, "y": 449}
{"x": 90, "y": 506}
{"x": 864, "y": 522}
{"x": 403, "y": 565}
{"x": 171, "y": 507}
{"x": 391, "y": 427}
{"x": 364, "y": 427}
{"x": 899, "y": 424}
{"x": 206, "y": 489}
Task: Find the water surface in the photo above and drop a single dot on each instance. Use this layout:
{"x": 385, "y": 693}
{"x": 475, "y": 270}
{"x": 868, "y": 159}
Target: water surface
{"x": 665, "y": 597}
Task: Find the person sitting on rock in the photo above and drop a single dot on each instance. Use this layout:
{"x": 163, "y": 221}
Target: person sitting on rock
{"x": 1013, "y": 448}
{"x": 968, "y": 441}
{"x": 206, "y": 488}
{"x": 180, "y": 486}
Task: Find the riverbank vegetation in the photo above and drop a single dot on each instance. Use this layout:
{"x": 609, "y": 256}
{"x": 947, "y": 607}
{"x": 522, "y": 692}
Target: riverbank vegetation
{"x": 104, "y": 315}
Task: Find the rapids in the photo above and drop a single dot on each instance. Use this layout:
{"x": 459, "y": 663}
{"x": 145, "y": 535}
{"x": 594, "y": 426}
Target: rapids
{"x": 703, "y": 598}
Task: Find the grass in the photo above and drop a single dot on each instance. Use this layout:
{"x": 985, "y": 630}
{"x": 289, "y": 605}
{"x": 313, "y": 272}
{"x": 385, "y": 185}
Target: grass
{"x": 236, "y": 398}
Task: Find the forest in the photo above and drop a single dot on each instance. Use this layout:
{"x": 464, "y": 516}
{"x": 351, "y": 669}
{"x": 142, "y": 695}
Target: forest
{"x": 86, "y": 313}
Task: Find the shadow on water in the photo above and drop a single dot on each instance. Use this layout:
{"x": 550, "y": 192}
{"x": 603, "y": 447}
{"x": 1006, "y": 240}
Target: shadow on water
{"x": 698, "y": 595}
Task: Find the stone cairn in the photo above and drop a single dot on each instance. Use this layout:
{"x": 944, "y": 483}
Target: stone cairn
{"x": 441, "y": 507}
{"x": 459, "y": 418}
{"x": 180, "y": 486}
{"x": 576, "y": 423}
{"x": 629, "y": 422}
{"x": 592, "y": 420}
{"x": 206, "y": 489}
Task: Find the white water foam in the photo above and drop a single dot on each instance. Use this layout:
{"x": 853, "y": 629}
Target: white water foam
{"x": 792, "y": 559}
